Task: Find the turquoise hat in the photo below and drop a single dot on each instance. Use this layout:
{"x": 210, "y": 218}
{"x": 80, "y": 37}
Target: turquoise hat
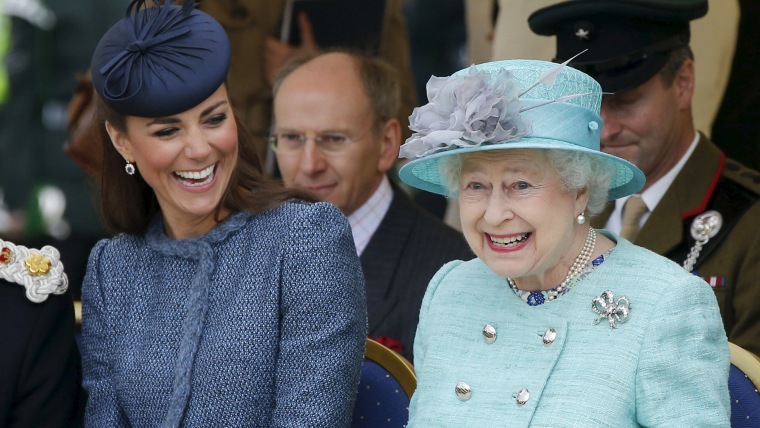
{"x": 513, "y": 104}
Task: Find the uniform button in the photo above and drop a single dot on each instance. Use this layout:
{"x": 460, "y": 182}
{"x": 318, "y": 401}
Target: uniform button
{"x": 522, "y": 397}
{"x": 463, "y": 391}
{"x": 549, "y": 336}
{"x": 489, "y": 333}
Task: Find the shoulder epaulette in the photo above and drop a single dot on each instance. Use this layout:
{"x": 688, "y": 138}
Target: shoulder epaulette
{"x": 39, "y": 271}
{"x": 745, "y": 176}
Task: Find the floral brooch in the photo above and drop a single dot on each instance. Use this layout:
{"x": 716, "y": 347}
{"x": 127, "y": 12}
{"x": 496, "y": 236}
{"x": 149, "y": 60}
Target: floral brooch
{"x": 605, "y": 306}
{"x": 39, "y": 271}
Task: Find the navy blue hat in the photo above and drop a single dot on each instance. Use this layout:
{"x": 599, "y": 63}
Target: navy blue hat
{"x": 628, "y": 41}
{"x": 160, "y": 60}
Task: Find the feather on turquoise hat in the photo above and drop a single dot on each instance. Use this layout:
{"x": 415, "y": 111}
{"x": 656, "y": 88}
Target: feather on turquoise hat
{"x": 513, "y": 104}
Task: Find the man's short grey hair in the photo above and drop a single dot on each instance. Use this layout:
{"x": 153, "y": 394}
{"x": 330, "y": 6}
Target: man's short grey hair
{"x": 578, "y": 171}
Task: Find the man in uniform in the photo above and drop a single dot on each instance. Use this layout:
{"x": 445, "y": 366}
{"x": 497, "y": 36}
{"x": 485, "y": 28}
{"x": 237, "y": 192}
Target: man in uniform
{"x": 698, "y": 208}
{"x": 45, "y": 198}
{"x": 39, "y": 362}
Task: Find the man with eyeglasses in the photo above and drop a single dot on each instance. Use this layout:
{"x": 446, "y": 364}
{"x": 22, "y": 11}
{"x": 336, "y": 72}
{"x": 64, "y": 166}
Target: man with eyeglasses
{"x": 335, "y": 134}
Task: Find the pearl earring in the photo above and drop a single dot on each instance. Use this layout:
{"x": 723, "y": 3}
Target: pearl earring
{"x": 581, "y": 218}
{"x": 130, "y": 168}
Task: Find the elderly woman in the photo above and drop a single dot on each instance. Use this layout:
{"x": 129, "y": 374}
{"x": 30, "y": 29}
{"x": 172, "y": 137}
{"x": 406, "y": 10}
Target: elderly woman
{"x": 223, "y": 300}
{"x": 555, "y": 323}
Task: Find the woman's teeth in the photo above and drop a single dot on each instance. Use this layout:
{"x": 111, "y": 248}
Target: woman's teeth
{"x": 512, "y": 240}
{"x": 196, "y": 178}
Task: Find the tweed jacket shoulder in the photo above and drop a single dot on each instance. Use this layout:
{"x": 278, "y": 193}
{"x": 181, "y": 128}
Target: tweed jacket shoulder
{"x": 262, "y": 319}
{"x": 666, "y": 366}
{"x": 729, "y": 262}
{"x": 404, "y": 253}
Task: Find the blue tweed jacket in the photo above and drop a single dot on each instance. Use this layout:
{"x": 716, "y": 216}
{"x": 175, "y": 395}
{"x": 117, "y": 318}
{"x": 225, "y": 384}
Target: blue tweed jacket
{"x": 260, "y": 323}
{"x": 666, "y": 366}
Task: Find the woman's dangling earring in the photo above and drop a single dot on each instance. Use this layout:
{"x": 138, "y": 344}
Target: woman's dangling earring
{"x": 130, "y": 168}
{"x": 581, "y": 218}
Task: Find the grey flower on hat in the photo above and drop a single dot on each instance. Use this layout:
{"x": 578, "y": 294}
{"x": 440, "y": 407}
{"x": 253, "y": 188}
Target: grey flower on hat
{"x": 511, "y": 104}
{"x": 465, "y": 111}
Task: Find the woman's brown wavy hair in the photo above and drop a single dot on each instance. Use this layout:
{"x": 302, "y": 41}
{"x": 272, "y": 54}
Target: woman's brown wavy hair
{"x": 127, "y": 204}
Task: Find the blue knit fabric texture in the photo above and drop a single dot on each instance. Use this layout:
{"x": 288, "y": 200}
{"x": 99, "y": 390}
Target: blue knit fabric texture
{"x": 261, "y": 322}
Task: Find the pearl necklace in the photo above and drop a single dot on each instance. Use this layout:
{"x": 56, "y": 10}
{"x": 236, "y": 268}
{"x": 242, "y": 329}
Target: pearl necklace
{"x": 578, "y": 265}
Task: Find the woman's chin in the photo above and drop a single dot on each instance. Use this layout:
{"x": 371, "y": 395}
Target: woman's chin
{"x": 500, "y": 268}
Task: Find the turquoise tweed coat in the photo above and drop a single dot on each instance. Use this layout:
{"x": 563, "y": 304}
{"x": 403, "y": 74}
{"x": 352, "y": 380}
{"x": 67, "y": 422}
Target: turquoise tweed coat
{"x": 259, "y": 323}
{"x": 667, "y": 365}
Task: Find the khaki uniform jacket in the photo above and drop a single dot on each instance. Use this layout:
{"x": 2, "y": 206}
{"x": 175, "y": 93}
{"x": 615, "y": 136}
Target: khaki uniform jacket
{"x": 249, "y": 22}
{"x": 731, "y": 260}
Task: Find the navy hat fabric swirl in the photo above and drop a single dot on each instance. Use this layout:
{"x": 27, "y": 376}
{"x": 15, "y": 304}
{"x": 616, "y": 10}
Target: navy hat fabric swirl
{"x": 160, "y": 60}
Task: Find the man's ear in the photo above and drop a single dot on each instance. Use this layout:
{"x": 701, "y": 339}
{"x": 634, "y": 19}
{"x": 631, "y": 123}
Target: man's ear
{"x": 120, "y": 142}
{"x": 684, "y": 82}
{"x": 390, "y": 141}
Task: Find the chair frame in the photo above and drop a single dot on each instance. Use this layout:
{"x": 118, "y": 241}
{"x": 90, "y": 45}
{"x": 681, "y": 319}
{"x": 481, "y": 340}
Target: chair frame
{"x": 746, "y": 361}
{"x": 398, "y": 366}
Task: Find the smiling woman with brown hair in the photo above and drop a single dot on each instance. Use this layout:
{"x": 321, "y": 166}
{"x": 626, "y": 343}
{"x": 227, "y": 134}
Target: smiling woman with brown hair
{"x": 224, "y": 300}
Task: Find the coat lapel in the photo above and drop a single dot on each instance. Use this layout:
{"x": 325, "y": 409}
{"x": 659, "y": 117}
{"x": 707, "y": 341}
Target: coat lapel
{"x": 383, "y": 254}
{"x": 687, "y": 196}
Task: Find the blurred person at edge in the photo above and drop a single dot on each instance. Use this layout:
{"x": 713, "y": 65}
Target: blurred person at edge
{"x": 40, "y": 375}
{"x": 45, "y": 198}
{"x": 258, "y": 52}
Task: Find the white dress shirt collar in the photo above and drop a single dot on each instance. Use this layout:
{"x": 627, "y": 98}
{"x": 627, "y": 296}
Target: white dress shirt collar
{"x": 366, "y": 219}
{"x": 653, "y": 194}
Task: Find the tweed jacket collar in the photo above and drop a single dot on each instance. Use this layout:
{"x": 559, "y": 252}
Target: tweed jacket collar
{"x": 188, "y": 248}
{"x": 201, "y": 250}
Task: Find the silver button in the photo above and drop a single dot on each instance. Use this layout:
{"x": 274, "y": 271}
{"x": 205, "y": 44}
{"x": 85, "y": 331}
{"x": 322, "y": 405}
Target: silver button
{"x": 489, "y": 333}
{"x": 463, "y": 391}
{"x": 522, "y": 397}
{"x": 549, "y": 336}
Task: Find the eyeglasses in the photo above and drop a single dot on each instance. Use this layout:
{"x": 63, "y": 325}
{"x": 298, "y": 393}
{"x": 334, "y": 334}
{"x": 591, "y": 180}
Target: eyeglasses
{"x": 291, "y": 143}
